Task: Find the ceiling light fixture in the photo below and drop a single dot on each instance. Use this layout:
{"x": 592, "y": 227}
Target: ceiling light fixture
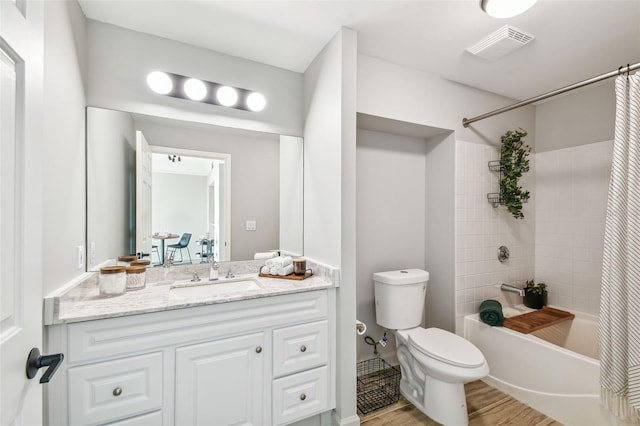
{"x": 195, "y": 89}
{"x": 505, "y": 8}
{"x": 160, "y": 82}
{"x": 256, "y": 102}
{"x": 180, "y": 86}
{"x": 227, "y": 96}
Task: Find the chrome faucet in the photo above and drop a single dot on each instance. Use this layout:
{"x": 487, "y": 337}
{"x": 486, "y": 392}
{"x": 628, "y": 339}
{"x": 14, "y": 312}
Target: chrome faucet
{"x": 195, "y": 278}
{"x": 512, "y": 289}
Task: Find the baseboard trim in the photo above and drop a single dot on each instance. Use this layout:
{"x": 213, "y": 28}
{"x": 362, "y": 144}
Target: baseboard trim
{"x": 348, "y": 421}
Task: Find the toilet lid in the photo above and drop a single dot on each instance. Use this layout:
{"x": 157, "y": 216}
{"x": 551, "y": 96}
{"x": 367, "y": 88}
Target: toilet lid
{"x": 446, "y": 347}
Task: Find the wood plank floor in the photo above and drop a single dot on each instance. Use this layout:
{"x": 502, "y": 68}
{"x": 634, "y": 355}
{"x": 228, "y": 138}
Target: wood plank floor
{"x": 486, "y": 406}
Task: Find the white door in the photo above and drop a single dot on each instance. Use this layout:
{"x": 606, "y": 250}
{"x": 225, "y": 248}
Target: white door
{"x": 143, "y": 195}
{"x": 221, "y": 382}
{"x": 21, "y": 79}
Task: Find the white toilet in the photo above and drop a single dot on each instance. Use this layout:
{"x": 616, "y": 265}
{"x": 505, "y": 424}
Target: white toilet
{"x": 434, "y": 363}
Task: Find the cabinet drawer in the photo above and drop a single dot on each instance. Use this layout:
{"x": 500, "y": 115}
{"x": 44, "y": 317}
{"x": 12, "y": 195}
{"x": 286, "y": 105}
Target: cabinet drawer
{"x": 300, "y": 347}
{"x": 300, "y": 395}
{"x": 109, "y": 390}
{"x": 150, "y": 419}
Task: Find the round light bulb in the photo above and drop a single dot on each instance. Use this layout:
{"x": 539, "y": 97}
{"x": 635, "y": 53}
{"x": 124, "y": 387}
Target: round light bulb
{"x": 505, "y": 8}
{"x": 160, "y": 82}
{"x": 195, "y": 89}
{"x": 256, "y": 102}
{"x": 227, "y": 96}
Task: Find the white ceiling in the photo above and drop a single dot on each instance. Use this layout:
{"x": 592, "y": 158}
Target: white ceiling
{"x": 575, "y": 39}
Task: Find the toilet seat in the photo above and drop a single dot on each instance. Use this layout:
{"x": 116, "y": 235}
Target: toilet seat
{"x": 445, "y": 347}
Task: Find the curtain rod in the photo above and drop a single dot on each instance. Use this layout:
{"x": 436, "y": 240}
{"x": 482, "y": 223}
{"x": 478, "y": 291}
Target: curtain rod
{"x": 622, "y": 70}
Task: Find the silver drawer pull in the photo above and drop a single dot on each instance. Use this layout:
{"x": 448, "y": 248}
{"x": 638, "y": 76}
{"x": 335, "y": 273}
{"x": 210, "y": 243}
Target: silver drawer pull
{"x": 303, "y": 348}
{"x": 303, "y": 397}
{"x": 117, "y": 392}
{"x": 258, "y": 349}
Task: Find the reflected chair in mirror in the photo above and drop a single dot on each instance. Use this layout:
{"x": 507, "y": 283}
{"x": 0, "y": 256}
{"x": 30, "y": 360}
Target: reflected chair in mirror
{"x": 180, "y": 245}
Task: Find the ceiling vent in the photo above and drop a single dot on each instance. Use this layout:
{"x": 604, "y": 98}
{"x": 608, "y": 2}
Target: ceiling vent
{"x": 500, "y": 43}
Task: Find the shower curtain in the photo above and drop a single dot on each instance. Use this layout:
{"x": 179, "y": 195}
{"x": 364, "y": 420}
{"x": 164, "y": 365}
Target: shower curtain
{"x": 620, "y": 292}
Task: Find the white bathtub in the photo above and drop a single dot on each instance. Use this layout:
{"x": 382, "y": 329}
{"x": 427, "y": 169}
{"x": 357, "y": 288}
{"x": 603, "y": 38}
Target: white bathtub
{"x": 556, "y": 371}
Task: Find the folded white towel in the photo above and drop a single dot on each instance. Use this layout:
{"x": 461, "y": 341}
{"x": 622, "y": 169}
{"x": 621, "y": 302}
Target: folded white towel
{"x": 271, "y": 262}
{"x": 265, "y": 269}
{"x": 286, "y": 270}
{"x": 281, "y": 262}
{"x": 264, "y": 255}
{"x": 274, "y": 270}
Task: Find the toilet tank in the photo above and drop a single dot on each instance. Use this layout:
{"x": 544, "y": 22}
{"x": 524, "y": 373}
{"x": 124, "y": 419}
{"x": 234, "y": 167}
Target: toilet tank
{"x": 400, "y": 298}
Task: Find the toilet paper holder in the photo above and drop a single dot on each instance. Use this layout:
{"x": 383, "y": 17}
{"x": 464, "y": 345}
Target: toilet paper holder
{"x": 361, "y": 327}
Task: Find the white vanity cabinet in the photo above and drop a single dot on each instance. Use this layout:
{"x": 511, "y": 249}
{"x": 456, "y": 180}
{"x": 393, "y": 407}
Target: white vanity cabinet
{"x": 221, "y": 382}
{"x": 264, "y": 361}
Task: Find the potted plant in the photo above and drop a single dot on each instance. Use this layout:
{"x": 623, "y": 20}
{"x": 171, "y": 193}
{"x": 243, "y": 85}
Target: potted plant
{"x": 513, "y": 164}
{"x": 535, "y": 295}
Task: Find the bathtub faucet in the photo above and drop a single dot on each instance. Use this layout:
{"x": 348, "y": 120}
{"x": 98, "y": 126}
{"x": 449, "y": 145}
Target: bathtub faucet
{"x": 512, "y": 289}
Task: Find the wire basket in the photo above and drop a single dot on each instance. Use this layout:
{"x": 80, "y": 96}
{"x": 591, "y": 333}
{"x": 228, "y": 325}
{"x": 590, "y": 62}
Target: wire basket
{"x": 378, "y": 384}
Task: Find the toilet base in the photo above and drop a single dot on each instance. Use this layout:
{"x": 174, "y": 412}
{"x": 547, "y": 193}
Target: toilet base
{"x": 443, "y": 402}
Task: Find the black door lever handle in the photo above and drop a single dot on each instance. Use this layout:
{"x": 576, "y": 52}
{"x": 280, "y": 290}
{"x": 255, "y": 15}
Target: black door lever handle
{"x": 35, "y": 361}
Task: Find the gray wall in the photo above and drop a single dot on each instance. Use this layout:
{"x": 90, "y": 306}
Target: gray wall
{"x": 63, "y": 227}
{"x": 440, "y": 231}
{"x": 111, "y": 176}
{"x": 255, "y": 180}
{"x": 580, "y": 117}
{"x": 390, "y": 230}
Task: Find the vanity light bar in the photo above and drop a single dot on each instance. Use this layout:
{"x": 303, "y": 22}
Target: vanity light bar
{"x": 182, "y": 87}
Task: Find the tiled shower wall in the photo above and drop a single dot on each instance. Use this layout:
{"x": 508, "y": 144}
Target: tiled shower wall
{"x": 570, "y": 208}
{"x": 481, "y": 229}
{"x": 559, "y": 242}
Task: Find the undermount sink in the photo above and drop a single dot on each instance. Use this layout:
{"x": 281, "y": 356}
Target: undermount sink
{"x": 212, "y": 288}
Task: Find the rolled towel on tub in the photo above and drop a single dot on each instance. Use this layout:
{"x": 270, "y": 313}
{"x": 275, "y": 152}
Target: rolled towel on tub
{"x": 491, "y": 312}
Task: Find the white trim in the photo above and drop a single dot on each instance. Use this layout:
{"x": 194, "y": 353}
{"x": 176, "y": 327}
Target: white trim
{"x": 348, "y": 421}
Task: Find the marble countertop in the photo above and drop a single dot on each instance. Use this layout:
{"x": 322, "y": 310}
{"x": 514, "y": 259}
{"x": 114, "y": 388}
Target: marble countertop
{"x": 82, "y": 301}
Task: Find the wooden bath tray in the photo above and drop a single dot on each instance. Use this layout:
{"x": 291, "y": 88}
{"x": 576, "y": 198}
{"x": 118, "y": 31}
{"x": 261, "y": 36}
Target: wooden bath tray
{"x": 532, "y": 321}
{"x": 307, "y": 274}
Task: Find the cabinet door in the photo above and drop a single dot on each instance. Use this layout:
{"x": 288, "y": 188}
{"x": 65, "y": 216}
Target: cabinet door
{"x": 221, "y": 382}
{"x": 114, "y": 389}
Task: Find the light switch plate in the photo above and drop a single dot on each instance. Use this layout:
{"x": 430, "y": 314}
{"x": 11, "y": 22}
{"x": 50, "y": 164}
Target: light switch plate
{"x": 80, "y": 257}
{"x": 92, "y": 252}
{"x": 251, "y": 225}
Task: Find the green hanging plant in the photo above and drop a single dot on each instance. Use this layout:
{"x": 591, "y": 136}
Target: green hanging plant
{"x": 513, "y": 164}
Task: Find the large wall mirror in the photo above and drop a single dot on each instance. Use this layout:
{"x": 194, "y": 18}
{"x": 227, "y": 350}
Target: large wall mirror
{"x": 153, "y": 182}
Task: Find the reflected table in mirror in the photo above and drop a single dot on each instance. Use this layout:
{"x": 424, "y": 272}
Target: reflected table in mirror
{"x": 163, "y": 237}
